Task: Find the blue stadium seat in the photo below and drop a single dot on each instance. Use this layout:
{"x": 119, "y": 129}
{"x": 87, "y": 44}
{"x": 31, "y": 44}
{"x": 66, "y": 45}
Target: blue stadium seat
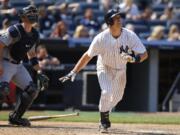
{"x": 77, "y": 19}
{"x": 70, "y": 24}
{"x": 47, "y": 33}
{"x": 19, "y": 3}
{"x": 135, "y": 22}
{"x": 175, "y": 2}
{"x": 83, "y": 0}
{"x": 141, "y": 29}
{"x": 159, "y": 7}
{"x": 98, "y": 13}
{"x": 78, "y": 0}
{"x": 144, "y": 35}
{"x": 176, "y": 22}
{"x": 156, "y": 22}
{"x": 43, "y": 2}
{"x": 84, "y": 5}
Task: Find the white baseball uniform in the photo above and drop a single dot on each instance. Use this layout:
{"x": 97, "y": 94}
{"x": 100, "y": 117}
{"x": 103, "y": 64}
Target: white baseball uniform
{"x": 111, "y": 68}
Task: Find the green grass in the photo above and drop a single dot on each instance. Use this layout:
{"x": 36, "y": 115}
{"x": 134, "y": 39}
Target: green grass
{"x": 116, "y": 117}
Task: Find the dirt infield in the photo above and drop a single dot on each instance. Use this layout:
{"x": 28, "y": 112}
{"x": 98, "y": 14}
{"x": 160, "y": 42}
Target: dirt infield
{"x": 67, "y": 128}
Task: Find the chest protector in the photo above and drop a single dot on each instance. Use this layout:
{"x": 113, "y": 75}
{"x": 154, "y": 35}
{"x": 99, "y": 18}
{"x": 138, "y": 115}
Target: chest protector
{"x": 26, "y": 41}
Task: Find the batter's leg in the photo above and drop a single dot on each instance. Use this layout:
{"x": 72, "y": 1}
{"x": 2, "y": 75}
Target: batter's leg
{"x": 118, "y": 86}
{"x": 104, "y": 77}
{"x": 106, "y": 87}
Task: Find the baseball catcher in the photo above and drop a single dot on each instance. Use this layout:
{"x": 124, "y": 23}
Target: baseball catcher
{"x": 18, "y": 41}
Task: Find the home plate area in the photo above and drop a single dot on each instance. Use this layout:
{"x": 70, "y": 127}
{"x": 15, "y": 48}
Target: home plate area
{"x": 79, "y": 128}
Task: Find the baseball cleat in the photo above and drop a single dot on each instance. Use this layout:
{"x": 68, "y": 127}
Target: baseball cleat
{"x": 103, "y": 129}
{"x": 19, "y": 121}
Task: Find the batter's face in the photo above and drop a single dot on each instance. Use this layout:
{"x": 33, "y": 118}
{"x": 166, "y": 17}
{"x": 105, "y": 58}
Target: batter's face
{"x": 117, "y": 20}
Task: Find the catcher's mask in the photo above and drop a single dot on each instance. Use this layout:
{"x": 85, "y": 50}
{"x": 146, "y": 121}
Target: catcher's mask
{"x": 109, "y": 16}
{"x": 30, "y": 12}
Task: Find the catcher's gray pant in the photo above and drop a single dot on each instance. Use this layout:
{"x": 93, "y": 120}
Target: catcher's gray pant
{"x": 16, "y": 73}
{"x": 112, "y": 83}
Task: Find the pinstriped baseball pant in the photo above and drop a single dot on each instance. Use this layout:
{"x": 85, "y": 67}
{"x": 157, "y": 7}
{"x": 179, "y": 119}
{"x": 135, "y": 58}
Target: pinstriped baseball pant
{"x": 112, "y": 83}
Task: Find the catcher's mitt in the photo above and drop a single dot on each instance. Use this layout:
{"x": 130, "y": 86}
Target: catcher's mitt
{"x": 43, "y": 81}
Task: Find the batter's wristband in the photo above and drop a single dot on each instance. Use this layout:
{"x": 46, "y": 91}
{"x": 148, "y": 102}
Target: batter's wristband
{"x": 137, "y": 59}
{"x": 34, "y": 61}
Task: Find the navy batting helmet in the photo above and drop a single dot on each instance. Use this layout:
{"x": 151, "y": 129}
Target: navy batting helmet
{"x": 109, "y": 15}
{"x": 30, "y": 12}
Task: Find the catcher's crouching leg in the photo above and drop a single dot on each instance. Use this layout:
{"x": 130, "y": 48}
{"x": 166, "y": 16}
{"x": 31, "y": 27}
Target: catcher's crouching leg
{"x": 23, "y": 103}
{"x": 4, "y": 90}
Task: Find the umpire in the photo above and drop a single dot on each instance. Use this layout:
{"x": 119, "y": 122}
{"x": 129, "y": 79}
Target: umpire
{"x": 16, "y": 43}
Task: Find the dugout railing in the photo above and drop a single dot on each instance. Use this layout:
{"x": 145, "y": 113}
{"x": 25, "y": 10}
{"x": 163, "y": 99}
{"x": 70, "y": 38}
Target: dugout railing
{"x": 168, "y": 102}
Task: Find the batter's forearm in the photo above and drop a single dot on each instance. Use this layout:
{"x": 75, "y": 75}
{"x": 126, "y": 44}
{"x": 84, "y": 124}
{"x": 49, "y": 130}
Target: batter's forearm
{"x": 81, "y": 63}
{"x": 143, "y": 56}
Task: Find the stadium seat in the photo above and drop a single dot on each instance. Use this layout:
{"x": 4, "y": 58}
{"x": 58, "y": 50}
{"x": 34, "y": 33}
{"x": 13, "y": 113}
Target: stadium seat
{"x": 159, "y": 7}
{"x": 175, "y": 2}
{"x": 43, "y": 2}
{"x": 144, "y": 35}
{"x": 135, "y": 22}
{"x": 141, "y": 29}
{"x": 176, "y": 22}
{"x": 156, "y": 22}
{"x": 84, "y": 5}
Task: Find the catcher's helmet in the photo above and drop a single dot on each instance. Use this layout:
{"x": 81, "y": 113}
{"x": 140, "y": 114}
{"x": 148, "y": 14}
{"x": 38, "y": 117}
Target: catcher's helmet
{"x": 30, "y": 12}
{"x": 109, "y": 15}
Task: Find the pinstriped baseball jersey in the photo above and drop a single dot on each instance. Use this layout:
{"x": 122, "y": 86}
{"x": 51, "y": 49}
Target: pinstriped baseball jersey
{"x": 111, "y": 68}
{"x": 107, "y": 48}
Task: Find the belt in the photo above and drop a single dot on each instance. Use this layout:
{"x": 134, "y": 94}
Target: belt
{"x": 12, "y": 61}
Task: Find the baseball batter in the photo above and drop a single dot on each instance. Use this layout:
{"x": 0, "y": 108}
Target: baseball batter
{"x": 114, "y": 47}
{"x": 18, "y": 41}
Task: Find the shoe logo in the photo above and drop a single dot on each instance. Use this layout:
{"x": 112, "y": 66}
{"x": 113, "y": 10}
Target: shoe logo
{"x": 27, "y": 46}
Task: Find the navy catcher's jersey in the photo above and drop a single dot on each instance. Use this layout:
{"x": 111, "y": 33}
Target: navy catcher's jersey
{"x": 24, "y": 41}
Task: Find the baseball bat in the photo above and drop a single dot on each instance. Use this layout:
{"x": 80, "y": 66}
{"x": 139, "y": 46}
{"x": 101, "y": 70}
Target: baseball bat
{"x": 45, "y": 117}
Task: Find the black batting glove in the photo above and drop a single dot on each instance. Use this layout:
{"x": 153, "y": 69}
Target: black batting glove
{"x": 43, "y": 81}
{"x": 70, "y": 76}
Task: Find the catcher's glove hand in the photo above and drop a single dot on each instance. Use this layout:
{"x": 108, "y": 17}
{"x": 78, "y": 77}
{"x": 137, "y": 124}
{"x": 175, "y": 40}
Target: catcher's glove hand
{"x": 43, "y": 81}
{"x": 129, "y": 55}
{"x": 71, "y": 76}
